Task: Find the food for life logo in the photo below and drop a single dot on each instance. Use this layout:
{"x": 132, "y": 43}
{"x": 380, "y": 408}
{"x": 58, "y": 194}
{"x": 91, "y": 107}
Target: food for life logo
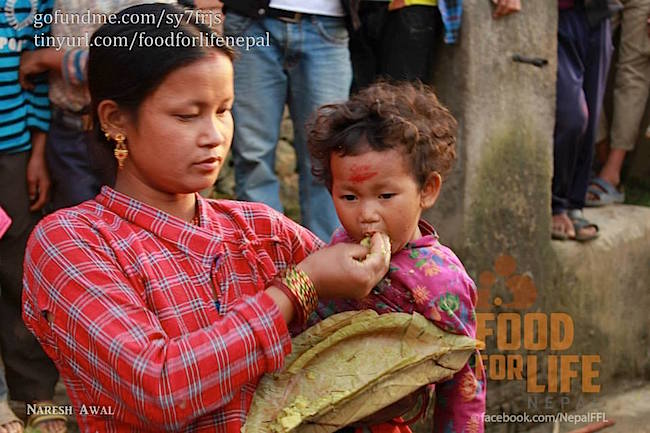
{"x": 513, "y": 329}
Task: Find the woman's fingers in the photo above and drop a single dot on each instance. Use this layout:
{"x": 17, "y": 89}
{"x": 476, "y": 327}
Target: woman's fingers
{"x": 348, "y": 270}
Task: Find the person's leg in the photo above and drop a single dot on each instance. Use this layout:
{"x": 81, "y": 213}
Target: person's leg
{"x": 9, "y": 422}
{"x": 571, "y": 118}
{"x": 260, "y": 94}
{"x": 68, "y": 158}
{"x": 597, "y": 59}
{"x": 31, "y": 375}
{"x": 365, "y": 48}
{"x": 632, "y": 84}
{"x": 320, "y": 74}
{"x": 408, "y": 43}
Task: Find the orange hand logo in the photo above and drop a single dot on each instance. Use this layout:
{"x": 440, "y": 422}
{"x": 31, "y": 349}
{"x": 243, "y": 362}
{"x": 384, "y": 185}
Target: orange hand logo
{"x": 523, "y": 291}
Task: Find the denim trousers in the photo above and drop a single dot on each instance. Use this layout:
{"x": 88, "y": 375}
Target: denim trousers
{"x": 4, "y": 392}
{"x": 583, "y": 59}
{"x": 75, "y": 173}
{"x": 307, "y": 64}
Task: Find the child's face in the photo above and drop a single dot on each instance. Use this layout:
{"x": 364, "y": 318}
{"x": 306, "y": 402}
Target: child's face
{"x": 375, "y": 192}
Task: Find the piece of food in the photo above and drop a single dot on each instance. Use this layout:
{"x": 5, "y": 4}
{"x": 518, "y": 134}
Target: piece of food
{"x": 351, "y": 365}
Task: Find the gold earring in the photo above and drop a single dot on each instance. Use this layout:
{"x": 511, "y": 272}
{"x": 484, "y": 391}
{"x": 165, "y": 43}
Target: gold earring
{"x": 120, "y": 152}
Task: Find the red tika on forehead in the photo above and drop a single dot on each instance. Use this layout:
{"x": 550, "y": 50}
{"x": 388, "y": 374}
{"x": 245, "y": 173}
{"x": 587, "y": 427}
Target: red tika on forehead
{"x": 361, "y": 173}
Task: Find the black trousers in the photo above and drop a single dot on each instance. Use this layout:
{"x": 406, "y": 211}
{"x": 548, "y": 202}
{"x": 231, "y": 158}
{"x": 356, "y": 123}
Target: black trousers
{"x": 584, "y": 54}
{"x": 30, "y": 374}
{"x": 397, "y": 45}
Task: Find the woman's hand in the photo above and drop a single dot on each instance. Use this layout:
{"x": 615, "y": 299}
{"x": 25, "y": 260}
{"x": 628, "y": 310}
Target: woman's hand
{"x": 348, "y": 270}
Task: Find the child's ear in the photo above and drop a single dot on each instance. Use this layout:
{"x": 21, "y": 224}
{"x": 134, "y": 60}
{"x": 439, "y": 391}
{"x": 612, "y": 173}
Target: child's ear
{"x": 430, "y": 190}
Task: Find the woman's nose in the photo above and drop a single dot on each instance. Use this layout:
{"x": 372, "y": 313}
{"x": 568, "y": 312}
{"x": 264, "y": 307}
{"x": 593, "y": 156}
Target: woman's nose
{"x": 214, "y": 134}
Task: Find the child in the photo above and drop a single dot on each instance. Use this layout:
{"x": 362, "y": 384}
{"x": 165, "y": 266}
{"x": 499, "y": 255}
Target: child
{"x": 382, "y": 154}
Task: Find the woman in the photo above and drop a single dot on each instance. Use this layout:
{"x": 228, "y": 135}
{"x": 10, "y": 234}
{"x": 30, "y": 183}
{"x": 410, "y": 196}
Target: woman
{"x": 156, "y": 305}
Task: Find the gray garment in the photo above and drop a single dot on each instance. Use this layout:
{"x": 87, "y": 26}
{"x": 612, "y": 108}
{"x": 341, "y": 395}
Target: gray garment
{"x": 632, "y": 79}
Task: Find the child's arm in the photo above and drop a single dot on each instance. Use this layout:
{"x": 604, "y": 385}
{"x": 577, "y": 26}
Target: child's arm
{"x": 71, "y": 64}
{"x": 39, "y": 61}
{"x": 38, "y": 178}
{"x": 38, "y": 122}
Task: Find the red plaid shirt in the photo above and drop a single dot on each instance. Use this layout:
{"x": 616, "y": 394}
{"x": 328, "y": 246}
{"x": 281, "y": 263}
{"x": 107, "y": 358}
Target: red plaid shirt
{"x": 161, "y": 322}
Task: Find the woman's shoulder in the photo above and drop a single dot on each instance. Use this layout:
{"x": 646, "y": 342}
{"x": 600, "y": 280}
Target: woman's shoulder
{"x": 258, "y": 217}
{"x": 242, "y": 207}
{"x": 72, "y": 222}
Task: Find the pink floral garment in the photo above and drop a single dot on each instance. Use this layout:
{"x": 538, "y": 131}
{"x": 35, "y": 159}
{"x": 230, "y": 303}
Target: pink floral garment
{"x": 427, "y": 277}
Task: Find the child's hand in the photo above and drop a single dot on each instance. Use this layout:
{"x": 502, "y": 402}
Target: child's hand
{"x": 348, "y": 270}
{"x": 28, "y": 66}
{"x": 36, "y": 62}
{"x": 38, "y": 182}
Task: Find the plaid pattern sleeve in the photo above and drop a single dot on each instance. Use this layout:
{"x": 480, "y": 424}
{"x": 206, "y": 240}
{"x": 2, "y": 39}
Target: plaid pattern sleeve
{"x": 165, "y": 323}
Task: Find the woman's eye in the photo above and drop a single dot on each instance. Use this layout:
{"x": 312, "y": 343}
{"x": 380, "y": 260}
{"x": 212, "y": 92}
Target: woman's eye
{"x": 387, "y": 195}
{"x": 186, "y": 116}
{"x": 223, "y": 111}
{"x": 348, "y": 197}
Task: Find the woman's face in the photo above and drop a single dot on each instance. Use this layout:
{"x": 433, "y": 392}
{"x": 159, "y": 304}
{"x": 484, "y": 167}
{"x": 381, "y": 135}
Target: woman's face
{"x": 183, "y": 130}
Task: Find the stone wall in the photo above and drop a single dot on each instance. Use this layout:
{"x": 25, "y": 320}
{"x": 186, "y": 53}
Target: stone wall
{"x": 494, "y": 211}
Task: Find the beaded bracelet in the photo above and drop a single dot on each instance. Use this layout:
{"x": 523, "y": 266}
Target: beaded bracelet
{"x": 297, "y": 285}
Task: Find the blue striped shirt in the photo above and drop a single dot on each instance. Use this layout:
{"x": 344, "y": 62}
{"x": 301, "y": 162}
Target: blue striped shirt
{"x": 20, "y": 109}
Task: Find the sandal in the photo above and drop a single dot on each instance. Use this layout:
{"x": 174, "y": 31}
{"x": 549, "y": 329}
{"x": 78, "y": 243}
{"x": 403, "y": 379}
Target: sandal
{"x": 7, "y": 416}
{"x": 605, "y": 193}
{"x": 44, "y": 413}
{"x": 579, "y": 224}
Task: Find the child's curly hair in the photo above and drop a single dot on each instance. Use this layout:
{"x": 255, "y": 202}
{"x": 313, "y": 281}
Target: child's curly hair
{"x": 385, "y": 116}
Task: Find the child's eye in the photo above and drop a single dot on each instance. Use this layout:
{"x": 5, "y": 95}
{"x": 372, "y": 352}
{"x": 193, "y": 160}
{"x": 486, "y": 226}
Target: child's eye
{"x": 387, "y": 195}
{"x": 348, "y": 197}
{"x": 223, "y": 111}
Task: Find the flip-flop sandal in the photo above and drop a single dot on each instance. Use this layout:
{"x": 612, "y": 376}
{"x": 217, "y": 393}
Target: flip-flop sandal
{"x": 7, "y": 416}
{"x": 42, "y": 415}
{"x": 579, "y": 223}
{"x": 605, "y": 192}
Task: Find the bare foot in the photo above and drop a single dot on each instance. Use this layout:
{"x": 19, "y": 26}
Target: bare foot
{"x": 586, "y": 232}
{"x": 563, "y": 225}
{"x": 55, "y": 426}
{"x": 12, "y": 427}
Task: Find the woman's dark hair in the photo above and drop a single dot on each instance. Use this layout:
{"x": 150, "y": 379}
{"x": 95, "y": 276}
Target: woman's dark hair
{"x": 129, "y": 59}
{"x": 403, "y": 116}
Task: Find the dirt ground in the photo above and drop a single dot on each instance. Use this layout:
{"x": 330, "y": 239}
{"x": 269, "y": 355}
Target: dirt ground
{"x": 628, "y": 407}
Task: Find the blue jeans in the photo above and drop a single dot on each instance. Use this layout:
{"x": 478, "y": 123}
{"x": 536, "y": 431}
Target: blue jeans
{"x": 306, "y": 65}
{"x": 4, "y": 393}
{"x": 75, "y": 172}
